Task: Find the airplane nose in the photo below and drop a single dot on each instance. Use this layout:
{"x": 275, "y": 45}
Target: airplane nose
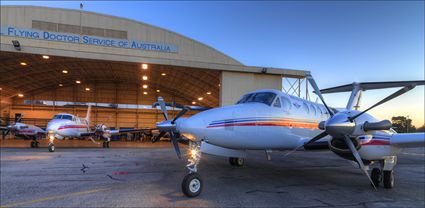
{"x": 192, "y": 128}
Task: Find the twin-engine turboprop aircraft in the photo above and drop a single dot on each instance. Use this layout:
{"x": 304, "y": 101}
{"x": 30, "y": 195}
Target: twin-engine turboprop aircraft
{"x": 272, "y": 120}
{"x": 69, "y": 126}
{"x": 24, "y": 130}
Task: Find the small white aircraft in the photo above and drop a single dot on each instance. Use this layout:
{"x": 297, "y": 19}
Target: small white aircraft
{"x": 65, "y": 125}
{"x": 272, "y": 120}
{"x": 24, "y": 130}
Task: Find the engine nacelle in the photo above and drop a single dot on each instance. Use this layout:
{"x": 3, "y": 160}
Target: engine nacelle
{"x": 370, "y": 147}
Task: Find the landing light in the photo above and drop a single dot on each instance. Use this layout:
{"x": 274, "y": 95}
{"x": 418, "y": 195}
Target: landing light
{"x": 65, "y": 71}
{"x": 144, "y": 66}
{"x": 78, "y": 82}
{"x": 23, "y": 64}
{"x": 145, "y": 77}
{"x": 45, "y": 57}
{"x": 51, "y": 138}
{"x": 193, "y": 152}
{"x": 145, "y": 86}
{"x": 20, "y": 95}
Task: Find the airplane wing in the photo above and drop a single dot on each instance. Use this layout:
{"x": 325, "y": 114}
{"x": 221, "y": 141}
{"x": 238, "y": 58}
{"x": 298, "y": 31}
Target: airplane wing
{"x": 119, "y": 131}
{"x": 371, "y": 86}
{"x": 408, "y": 140}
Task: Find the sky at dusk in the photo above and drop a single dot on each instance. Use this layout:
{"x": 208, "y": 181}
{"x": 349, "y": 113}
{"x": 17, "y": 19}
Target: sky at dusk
{"x": 339, "y": 42}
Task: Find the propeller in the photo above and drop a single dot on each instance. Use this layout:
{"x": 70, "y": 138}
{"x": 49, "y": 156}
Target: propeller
{"x": 167, "y": 125}
{"x": 390, "y": 97}
{"x": 318, "y": 93}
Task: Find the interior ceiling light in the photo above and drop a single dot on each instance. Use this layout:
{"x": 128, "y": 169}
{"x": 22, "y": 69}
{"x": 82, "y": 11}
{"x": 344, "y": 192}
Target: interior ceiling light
{"x": 1, "y": 88}
{"x": 145, "y": 93}
{"x": 193, "y": 102}
{"x": 145, "y": 86}
{"x": 65, "y": 71}
{"x": 78, "y": 82}
{"x": 158, "y": 90}
{"x": 144, "y": 66}
{"x": 163, "y": 74}
{"x": 60, "y": 85}
{"x": 208, "y": 93}
{"x": 87, "y": 89}
{"x": 45, "y": 57}
{"x": 200, "y": 98}
{"x": 145, "y": 77}
{"x": 23, "y": 64}
{"x": 20, "y": 95}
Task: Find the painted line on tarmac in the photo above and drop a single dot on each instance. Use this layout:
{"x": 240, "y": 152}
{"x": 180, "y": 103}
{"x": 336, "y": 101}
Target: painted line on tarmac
{"x": 54, "y": 197}
{"x": 413, "y": 154}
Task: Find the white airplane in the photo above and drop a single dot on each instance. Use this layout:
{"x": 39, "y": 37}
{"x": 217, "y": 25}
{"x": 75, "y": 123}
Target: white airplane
{"x": 24, "y": 130}
{"x": 272, "y": 120}
{"x": 65, "y": 125}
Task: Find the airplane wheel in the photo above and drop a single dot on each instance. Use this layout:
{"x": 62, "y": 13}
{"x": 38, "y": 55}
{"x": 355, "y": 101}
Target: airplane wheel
{"x": 192, "y": 185}
{"x": 51, "y": 147}
{"x": 37, "y": 144}
{"x": 234, "y": 161}
{"x": 32, "y": 144}
{"x": 107, "y": 144}
{"x": 388, "y": 179}
{"x": 104, "y": 144}
{"x": 376, "y": 176}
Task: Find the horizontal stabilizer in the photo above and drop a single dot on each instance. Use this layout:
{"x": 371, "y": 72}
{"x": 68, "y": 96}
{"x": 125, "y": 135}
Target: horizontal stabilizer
{"x": 371, "y": 86}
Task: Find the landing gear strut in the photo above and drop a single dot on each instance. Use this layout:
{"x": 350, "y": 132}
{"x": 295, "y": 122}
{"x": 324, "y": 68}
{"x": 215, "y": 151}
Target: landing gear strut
{"x": 192, "y": 183}
{"x": 385, "y": 174}
{"x": 34, "y": 144}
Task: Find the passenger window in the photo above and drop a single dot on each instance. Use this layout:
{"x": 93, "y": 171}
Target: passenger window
{"x": 305, "y": 108}
{"x": 277, "y": 103}
{"x": 286, "y": 103}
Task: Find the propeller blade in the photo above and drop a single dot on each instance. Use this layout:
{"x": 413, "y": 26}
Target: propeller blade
{"x": 163, "y": 107}
{"x": 175, "y": 144}
{"x": 390, "y": 97}
{"x": 318, "y": 93}
{"x": 182, "y": 112}
{"x": 358, "y": 158}
{"x": 321, "y": 135}
{"x": 157, "y": 138}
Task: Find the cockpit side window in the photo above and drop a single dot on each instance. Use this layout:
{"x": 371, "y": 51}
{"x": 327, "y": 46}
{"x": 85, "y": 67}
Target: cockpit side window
{"x": 305, "y": 108}
{"x": 58, "y": 116}
{"x": 67, "y": 117}
{"x": 277, "y": 103}
{"x": 260, "y": 97}
{"x": 286, "y": 103}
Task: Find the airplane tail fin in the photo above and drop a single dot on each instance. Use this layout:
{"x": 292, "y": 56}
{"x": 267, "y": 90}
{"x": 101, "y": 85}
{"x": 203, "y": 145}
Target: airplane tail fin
{"x": 88, "y": 114}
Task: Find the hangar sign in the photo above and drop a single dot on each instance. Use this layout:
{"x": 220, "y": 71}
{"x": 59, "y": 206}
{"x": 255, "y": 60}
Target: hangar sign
{"x": 88, "y": 40}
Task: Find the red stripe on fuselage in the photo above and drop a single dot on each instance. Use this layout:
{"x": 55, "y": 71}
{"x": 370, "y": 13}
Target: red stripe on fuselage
{"x": 72, "y": 127}
{"x": 376, "y": 142}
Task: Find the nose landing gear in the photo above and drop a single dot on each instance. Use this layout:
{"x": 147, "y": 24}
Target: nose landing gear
{"x": 385, "y": 174}
{"x": 34, "y": 144}
{"x": 192, "y": 183}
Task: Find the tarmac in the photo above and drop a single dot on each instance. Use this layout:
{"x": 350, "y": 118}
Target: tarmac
{"x": 151, "y": 175}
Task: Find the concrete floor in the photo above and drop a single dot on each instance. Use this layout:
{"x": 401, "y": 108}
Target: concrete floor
{"x": 151, "y": 177}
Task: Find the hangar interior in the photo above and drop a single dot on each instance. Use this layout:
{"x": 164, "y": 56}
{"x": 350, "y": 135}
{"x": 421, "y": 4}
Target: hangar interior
{"x": 46, "y": 75}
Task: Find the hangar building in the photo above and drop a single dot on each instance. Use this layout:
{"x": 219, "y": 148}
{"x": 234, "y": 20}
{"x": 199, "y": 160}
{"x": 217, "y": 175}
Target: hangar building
{"x": 57, "y": 60}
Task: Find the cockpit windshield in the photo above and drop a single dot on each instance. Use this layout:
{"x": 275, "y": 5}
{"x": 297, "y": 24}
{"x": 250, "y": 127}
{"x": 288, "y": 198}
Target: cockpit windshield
{"x": 61, "y": 116}
{"x": 260, "y": 97}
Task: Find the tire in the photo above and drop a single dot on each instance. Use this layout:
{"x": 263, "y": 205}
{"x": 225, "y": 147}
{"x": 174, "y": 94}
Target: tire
{"x": 376, "y": 176}
{"x": 32, "y": 144}
{"x": 388, "y": 179}
{"x": 104, "y": 145}
{"x": 51, "y": 147}
{"x": 37, "y": 144}
{"x": 107, "y": 145}
{"x": 192, "y": 185}
{"x": 234, "y": 161}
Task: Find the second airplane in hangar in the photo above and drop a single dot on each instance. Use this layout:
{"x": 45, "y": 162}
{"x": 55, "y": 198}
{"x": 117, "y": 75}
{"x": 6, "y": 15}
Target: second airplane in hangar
{"x": 272, "y": 120}
{"x": 65, "y": 125}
